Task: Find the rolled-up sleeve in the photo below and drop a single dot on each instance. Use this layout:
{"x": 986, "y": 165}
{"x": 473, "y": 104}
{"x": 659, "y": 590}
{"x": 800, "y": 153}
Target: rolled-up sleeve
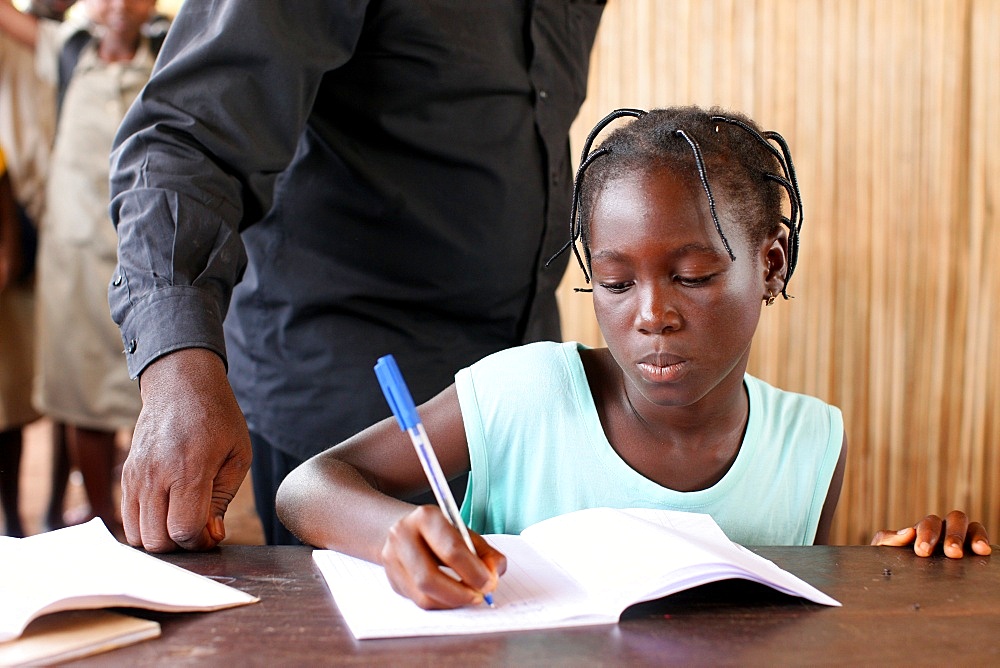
{"x": 197, "y": 155}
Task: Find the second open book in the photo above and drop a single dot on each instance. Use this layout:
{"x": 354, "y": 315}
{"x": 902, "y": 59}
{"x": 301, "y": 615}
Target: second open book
{"x": 577, "y": 569}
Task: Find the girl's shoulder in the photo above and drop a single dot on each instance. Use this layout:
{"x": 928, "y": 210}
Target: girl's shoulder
{"x": 534, "y": 369}
{"x": 775, "y": 396}
{"x": 547, "y": 367}
{"x": 774, "y": 411}
{"x": 519, "y": 380}
{"x": 539, "y": 359}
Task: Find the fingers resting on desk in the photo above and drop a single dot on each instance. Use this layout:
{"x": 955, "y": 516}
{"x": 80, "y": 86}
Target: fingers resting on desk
{"x": 952, "y": 536}
{"x": 190, "y": 452}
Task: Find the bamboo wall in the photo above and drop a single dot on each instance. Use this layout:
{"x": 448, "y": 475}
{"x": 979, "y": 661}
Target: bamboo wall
{"x": 892, "y": 110}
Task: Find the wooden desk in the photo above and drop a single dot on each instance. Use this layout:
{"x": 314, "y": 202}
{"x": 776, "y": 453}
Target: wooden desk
{"x": 898, "y": 609}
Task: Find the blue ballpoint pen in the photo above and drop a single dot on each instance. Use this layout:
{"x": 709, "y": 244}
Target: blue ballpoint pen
{"x": 398, "y": 395}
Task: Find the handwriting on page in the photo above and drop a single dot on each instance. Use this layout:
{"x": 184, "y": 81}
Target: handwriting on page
{"x": 576, "y": 569}
{"x": 530, "y": 593}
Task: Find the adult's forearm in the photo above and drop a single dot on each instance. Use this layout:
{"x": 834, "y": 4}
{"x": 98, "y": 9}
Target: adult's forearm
{"x": 158, "y": 306}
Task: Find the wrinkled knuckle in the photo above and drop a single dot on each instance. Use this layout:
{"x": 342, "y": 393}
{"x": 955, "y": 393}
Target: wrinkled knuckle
{"x": 185, "y": 536}
{"x": 158, "y": 545}
{"x": 221, "y": 498}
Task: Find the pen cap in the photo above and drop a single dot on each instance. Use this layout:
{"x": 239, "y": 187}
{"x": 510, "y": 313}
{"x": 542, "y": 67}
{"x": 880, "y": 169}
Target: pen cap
{"x": 396, "y": 393}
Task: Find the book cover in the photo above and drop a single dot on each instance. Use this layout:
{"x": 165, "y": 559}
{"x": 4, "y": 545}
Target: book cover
{"x": 74, "y": 634}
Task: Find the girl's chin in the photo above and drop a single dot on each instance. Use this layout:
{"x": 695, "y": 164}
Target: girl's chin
{"x": 666, "y": 395}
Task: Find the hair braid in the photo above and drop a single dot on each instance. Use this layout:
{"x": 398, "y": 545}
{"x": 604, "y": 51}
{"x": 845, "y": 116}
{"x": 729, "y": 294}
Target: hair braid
{"x": 727, "y": 150}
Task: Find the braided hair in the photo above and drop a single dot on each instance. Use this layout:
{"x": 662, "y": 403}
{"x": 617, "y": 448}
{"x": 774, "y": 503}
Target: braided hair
{"x": 727, "y": 150}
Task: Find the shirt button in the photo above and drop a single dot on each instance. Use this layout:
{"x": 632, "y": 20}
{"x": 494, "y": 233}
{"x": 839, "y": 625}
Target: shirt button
{"x": 543, "y": 94}
{"x": 130, "y": 348}
{"x": 117, "y": 281}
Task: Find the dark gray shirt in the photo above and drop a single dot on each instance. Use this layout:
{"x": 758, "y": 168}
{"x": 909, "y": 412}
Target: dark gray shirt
{"x": 356, "y": 178}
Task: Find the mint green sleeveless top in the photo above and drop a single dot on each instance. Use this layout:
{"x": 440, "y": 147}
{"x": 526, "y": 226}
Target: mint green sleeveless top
{"x": 537, "y": 450}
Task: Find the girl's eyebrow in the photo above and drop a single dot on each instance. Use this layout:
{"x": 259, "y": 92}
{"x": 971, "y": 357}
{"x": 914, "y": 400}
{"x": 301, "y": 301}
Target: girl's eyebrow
{"x": 686, "y": 249}
{"x": 698, "y": 247}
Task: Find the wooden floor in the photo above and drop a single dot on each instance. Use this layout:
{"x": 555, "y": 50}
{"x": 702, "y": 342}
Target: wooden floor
{"x": 242, "y": 525}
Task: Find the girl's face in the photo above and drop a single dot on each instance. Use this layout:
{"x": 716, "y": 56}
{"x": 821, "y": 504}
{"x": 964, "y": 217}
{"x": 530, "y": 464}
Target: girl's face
{"x": 677, "y": 313}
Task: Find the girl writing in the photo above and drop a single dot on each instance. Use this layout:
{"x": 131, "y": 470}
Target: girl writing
{"x": 679, "y": 225}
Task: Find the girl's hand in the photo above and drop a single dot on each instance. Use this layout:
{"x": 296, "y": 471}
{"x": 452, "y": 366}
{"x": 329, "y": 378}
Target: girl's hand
{"x": 955, "y": 530}
{"x": 420, "y": 544}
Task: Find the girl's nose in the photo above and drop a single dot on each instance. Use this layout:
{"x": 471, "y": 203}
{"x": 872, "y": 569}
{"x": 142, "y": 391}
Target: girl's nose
{"x": 657, "y": 313}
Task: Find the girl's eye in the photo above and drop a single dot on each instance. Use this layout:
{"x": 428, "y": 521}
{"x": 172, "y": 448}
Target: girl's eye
{"x": 693, "y": 281}
{"x": 617, "y": 287}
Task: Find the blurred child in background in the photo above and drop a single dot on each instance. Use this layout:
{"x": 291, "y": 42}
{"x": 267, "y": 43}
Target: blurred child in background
{"x": 81, "y": 379}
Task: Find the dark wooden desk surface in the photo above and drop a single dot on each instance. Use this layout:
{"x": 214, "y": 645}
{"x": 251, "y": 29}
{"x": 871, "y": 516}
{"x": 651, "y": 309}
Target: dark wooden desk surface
{"x": 898, "y": 609}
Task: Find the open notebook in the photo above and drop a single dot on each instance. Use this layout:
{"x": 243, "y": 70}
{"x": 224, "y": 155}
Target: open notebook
{"x": 84, "y": 567}
{"x": 578, "y": 569}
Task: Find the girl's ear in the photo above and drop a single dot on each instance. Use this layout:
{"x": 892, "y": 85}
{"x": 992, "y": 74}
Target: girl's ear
{"x": 774, "y": 253}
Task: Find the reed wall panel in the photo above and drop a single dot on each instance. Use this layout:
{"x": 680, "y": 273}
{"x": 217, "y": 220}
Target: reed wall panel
{"x": 891, "y": 110}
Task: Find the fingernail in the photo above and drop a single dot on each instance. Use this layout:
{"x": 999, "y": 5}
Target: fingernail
{"x": 218, "y": 528}
{"x": 925, "y": 547}
{"x": 902, "y": 531}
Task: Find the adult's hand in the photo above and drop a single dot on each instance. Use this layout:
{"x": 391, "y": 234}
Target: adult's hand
{"x": 190, "y": 452}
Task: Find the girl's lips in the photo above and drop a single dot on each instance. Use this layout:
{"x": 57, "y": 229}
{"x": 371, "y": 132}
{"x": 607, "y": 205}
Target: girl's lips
{"x": 662, "y": 368}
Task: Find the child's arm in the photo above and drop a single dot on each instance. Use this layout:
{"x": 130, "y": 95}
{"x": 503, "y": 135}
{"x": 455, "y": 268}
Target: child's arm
{"x": 832, "y": 498}
{"x": 18, "y": 25}
{"x": 925, "y": 535}
{"x": 347, "y": 499}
